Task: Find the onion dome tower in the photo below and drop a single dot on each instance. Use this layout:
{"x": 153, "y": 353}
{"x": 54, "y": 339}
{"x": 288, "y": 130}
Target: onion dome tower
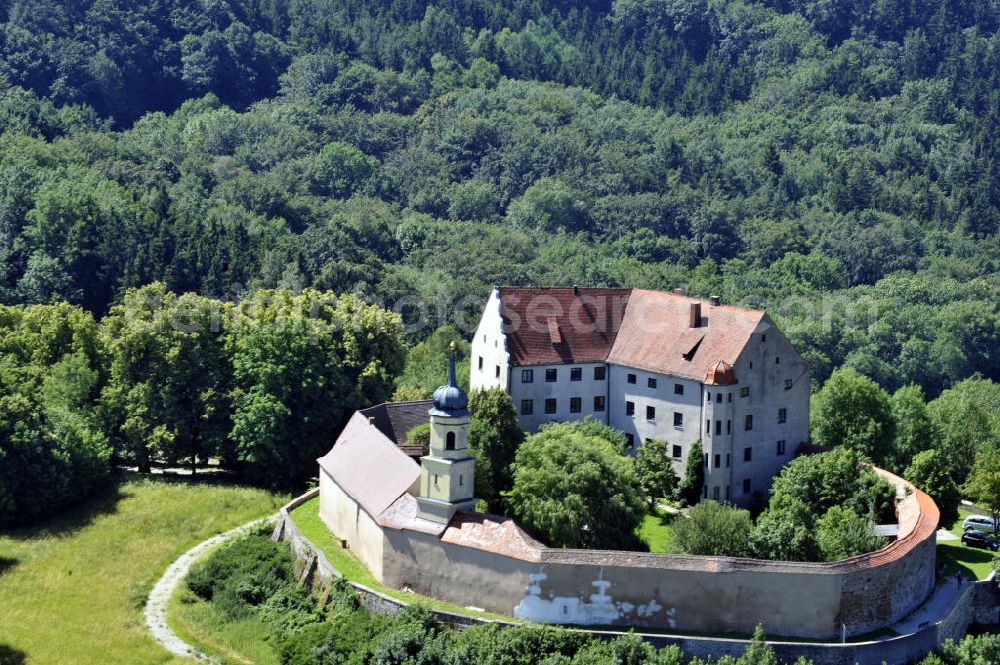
{"x": 447, "y": 472}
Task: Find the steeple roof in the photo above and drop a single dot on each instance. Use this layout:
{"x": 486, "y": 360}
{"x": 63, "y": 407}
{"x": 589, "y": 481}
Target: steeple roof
{"x": 450, "y": 399}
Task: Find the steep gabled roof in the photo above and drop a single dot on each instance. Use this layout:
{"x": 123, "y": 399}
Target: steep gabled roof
{"x": 656, "y": 334}
{"x": 547, "y": 326}
{"x": 369, "y": 466}
{"x": 648, "y": 330}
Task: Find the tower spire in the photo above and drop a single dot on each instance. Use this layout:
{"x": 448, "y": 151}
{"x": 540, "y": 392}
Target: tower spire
{"x": 447, "y": 472}
{"x": 451, "y": 365}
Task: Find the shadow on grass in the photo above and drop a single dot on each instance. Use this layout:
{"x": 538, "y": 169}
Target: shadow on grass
{"x": 11, "y": 656}
{"x": 72, "y": 519}
{"x": 105, "y": 502}
{"x": 965, "y": 559}
{"x": 5, "y": 565}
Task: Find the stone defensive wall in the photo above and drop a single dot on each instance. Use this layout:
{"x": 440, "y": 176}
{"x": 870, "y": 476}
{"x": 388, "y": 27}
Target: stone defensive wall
{"x": 977, "y": 603}
{"x": 489, "y": 562}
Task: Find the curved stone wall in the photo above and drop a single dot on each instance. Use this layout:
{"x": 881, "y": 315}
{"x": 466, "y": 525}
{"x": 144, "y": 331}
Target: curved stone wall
{"x": 489, "y": 562}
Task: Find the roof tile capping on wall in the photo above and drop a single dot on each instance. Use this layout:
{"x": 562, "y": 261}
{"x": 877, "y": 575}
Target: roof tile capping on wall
{"x": 490, "y": 562}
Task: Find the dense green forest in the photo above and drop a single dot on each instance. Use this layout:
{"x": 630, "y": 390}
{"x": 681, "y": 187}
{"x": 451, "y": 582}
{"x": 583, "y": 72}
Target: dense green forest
{"x": 834, "y": 162}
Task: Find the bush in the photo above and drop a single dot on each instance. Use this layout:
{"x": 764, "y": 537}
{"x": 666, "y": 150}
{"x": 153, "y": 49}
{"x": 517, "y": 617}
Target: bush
{"x": 240, "y": 567}
{"x": 841, "y": 534}
{"x": 420, "y": 436}
{"x": 714, "y": 528}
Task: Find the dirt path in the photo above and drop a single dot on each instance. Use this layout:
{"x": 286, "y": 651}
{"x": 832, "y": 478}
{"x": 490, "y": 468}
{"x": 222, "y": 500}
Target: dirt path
{"x": 159, "y": 597}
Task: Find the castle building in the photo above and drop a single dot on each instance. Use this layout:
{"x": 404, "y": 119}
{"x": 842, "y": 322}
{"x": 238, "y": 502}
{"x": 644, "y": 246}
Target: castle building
{"x": 654, "y": 365}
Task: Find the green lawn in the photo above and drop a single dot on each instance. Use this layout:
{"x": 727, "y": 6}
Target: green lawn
{"x": 72, "y": 590}
{"x": 971, "y": 561}
{"x": 306, "y": 517}
{"x": 655, "y": 531}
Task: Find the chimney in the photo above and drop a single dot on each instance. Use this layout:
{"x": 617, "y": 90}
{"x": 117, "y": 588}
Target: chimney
{"x": 680, "y": 291}
{"x": 696, "y": 315}
{"x": 714, "y": 300}
{"x": 576, "y": 290}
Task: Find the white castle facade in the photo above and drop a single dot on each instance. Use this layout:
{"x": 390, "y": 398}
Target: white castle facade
{"x": 656, "y": 366}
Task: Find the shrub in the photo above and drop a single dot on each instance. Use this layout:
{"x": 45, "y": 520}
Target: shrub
{"x": 420, "y": 436}
{"x": 714, "y": 528}
{"x": 239, "y": 563}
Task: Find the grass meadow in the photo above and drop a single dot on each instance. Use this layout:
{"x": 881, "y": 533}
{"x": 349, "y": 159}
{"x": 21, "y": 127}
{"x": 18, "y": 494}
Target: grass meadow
{"x": 72, "y": 590}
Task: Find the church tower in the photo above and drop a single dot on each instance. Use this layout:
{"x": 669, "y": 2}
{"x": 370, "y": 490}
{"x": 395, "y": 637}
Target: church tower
{"x": 447, "y": 473}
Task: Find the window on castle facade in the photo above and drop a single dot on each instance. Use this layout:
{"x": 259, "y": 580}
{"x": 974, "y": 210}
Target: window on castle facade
{"x": 550, "y": 405}
{"x": 551, "y": 375}
{"x": 575, "y": 373}
{"x": 598, "y": 402}
{"x": 575, "y": 405}
{"x": 527, "y": 375}
{"x": 527, "y": 407}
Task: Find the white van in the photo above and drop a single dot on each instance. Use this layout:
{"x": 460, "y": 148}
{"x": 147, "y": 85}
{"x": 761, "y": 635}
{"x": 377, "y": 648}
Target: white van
{"x": 979, "y": 523}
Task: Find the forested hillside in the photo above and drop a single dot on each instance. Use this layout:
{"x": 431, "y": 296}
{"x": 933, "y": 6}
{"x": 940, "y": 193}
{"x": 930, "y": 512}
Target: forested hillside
{"x": 834, "y": 162}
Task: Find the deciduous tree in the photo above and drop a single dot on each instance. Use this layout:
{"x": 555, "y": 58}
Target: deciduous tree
{"x": 576, "y": 490}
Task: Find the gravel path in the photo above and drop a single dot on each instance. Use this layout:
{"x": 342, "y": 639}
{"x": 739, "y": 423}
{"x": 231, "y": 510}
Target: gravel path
{"x": 159, "y": 597}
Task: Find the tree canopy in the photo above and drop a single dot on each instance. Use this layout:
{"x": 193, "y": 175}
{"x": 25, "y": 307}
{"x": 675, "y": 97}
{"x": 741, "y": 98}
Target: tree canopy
{"x": 575, "y": 489}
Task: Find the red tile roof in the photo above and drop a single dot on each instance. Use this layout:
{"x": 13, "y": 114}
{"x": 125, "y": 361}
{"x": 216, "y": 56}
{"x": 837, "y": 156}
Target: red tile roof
{"x": 720, "y": 373}
{"x": 656, "y": 334}
{"x": 492, "y": 533}
{"x": 547, "y": 326}
{"x": 648, "y": 330}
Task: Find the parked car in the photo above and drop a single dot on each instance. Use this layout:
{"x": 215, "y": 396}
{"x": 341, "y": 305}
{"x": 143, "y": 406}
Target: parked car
{"x": 979, "y": 523}
{"x": 974, "y": 538}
